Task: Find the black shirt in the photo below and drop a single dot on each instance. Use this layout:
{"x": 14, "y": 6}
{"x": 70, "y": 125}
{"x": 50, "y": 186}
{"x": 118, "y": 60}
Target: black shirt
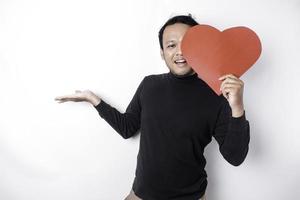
{"x": 177, "y": 117}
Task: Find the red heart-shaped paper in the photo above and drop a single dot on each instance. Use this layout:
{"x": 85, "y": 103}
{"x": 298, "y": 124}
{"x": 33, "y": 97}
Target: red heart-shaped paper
{"x": 212, "y": 53}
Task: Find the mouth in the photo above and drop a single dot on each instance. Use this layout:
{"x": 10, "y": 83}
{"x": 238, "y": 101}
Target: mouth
{"x": 180, "y": 62}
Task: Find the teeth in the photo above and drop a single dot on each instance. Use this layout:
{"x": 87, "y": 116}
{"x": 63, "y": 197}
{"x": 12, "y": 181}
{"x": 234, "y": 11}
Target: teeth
{"x": 180, "y": 61}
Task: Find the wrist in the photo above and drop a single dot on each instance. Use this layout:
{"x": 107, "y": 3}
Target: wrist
{"x": 93, "y": 99}
{"x": 237, "y": 111}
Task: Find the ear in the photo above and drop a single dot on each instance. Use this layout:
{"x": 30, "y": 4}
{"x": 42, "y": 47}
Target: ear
{"x": 162, "y": 54}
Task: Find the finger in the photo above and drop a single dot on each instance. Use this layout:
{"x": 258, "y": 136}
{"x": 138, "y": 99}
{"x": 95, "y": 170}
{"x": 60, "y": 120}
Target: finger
{"x": 232, "y": 79}
{"x": 58, "y": 98}
{"x": 234, "y": 85}
{"x": 225, "y": 93}
{"x": 227, "y": 76}
{"x": 61, "y": 97}
{"x": 61, "y": 101}
{"x": 68, "y": 99}
{"x": 230, "y": 82}
{"x": 230, "y": 90}
{"x": 70, "y": 96}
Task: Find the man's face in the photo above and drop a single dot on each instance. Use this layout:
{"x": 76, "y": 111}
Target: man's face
{"x": 171, "y": 52}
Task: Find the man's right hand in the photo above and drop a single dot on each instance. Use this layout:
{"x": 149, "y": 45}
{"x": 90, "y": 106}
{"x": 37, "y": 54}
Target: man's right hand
{"x": 79, "y": 96}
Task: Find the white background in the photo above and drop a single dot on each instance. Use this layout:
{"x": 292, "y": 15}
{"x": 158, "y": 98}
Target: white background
{"x": 51, "y": 151}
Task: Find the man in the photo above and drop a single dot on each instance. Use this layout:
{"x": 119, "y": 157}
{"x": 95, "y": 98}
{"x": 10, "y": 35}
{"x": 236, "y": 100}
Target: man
{"x": 177, "y": 114}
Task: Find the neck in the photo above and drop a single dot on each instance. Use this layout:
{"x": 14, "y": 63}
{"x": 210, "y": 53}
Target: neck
{"x": 183, "y": 75}
{"x": 192, "y": 76}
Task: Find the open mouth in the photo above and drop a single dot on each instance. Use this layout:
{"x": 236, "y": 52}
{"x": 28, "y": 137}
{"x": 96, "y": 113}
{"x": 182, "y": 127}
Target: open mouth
{"x": 180, "y": 62}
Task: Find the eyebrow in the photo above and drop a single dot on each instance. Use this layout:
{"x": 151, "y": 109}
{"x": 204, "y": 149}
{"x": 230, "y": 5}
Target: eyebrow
{"x": 170, "y": 41}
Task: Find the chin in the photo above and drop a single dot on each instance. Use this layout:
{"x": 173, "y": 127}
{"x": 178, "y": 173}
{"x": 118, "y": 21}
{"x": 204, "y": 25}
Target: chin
{"x": 182, "y": 72}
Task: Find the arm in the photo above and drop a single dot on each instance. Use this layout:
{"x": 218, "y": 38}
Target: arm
{"x": 232, "y": 130}
{"x": 128, "y": 123}
{"x": 232, "y": 135}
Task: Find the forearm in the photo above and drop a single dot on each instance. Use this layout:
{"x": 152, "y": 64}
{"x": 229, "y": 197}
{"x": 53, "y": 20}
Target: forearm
{"x": 126, "y": 124}
{"x": 236, "y": 143}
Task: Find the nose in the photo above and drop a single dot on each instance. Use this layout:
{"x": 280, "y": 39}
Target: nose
{"x": 178, "y": 50}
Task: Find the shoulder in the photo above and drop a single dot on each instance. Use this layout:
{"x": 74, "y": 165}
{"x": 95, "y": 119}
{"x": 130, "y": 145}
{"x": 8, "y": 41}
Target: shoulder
{"x": 154, "y": 78}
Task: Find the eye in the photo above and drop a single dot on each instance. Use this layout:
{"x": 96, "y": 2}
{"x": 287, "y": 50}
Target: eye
{"x": 171, "y": 46}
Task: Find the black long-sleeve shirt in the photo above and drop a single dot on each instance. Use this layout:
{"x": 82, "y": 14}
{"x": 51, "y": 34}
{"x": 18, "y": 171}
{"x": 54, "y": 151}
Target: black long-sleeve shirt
{"x": 177, "y": 118}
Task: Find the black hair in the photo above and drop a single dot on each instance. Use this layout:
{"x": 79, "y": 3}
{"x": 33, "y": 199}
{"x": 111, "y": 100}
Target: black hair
{"x": 184, "y": 19}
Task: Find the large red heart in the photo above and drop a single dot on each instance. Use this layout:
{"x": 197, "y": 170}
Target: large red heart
{"x": 212, "y": 53}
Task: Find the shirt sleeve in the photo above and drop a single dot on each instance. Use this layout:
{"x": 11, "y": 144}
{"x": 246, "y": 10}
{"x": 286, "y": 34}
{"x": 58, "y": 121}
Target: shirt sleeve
{"x": 232, "y": 135}
{"x": 127, "y": 123}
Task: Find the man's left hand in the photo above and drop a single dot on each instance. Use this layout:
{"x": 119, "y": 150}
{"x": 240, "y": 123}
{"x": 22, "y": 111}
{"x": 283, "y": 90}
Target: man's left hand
{"x": 232, "y": 89}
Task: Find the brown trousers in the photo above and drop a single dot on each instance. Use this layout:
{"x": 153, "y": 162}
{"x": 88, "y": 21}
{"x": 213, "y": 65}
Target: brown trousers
{"x": 132, "y": 196}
